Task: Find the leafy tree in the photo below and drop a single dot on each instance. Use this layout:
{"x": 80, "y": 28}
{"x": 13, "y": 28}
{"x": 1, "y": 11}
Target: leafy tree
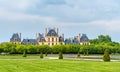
{"x": 20, "y": 48}
{"x": 101, "y": 39}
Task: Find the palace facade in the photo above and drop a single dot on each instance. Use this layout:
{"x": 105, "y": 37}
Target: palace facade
{"x": 51, "y": 37}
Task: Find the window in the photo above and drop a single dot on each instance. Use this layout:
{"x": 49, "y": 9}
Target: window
{"x": 28, "y": 40}
{"x": 49, "y": 44}
{"x": 48, "y": 39}
{"x": 15, "y": 39}
{"x": 56, "y": 39}
{"x": 52, "y": 33}
{"x": 52, "y": 39}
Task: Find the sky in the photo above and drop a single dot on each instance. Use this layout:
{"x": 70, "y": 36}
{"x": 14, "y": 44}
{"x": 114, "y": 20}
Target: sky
{"x": 92, "y": 17}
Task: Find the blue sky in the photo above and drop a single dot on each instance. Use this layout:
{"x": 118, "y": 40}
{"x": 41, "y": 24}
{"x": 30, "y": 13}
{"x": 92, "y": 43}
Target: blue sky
{"x": 93, "y": 17}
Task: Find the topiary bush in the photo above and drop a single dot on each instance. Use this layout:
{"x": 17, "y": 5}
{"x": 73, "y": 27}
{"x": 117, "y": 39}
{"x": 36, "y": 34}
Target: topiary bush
{"x": 60, "y": 55}
{"x": 41, "y": 55}
{"x": 78, "y": 54}
{"x": 106, "y": 57}
{"x": 24, "y": 53}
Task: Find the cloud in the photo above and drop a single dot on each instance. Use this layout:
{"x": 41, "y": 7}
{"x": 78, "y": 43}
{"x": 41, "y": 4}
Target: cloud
{"x": 87, "y": 16}
{"x": 17, "y": 5}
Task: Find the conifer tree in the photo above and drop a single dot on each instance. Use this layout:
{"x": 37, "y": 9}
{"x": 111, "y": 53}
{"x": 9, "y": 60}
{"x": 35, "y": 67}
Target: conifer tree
{"x": 24, "y": 53}
{"x": 106, "y": 56}
{"x": 41, "y": 55}
{"x": 60, "y": 55}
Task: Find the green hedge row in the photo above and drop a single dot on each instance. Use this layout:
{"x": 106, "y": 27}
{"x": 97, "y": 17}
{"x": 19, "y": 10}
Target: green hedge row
{"x": 33, "y": 49}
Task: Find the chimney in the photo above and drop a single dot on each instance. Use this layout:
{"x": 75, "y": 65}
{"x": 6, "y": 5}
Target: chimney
{"x": 20, "y": 36}
{"x": 63, "y": 37}
{"x": 43, "y": 34}
{"x": 46, "y": 31}
{"x": 57, "y": 31}
{"x": 78, "y": 37}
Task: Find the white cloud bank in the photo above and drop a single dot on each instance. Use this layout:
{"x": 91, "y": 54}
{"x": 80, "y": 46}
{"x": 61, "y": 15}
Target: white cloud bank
{"x": 90, "y": 15}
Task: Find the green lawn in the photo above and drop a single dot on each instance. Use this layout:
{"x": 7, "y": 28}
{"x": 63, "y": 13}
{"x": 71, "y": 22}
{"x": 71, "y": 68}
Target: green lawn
{"x": 33, "y": 63}
{"x": 57, "y": 66}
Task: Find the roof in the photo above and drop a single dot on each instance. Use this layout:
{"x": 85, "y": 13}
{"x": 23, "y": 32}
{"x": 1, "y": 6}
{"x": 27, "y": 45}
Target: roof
{"x": 72, "y": 41}
{"x": 29, "y": 41}
{"x": 40, "y": 38}
{"x": 75, "y": 41}
{"x": 52, "y": 32}
{"x": 61, "y": 39}
{"x": 16, "y": 37}
{"x": 84, "y": 38}
{"x": 69, "y": 41}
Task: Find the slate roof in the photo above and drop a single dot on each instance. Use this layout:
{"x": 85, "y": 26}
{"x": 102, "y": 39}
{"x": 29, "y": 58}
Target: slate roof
{"x": 40, "y": 38}
{"x": 16, "y": 37}
{"x": 61, "y": 39}
{"x": 84, "y": 38}
{"x": 75, "y": 41}
{"x": 29, "y": 41}
{"x": 68, "y": 41}
{"x": 52, "y": 32}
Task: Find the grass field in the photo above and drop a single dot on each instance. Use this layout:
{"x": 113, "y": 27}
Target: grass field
{"x": 32, "y": 63}
{"x": 57, "y": 66}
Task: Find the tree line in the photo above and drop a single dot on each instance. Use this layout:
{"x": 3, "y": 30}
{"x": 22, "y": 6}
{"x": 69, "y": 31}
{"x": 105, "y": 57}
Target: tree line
{"x": 72, "y": 48}
{"x": 98, "y": 46}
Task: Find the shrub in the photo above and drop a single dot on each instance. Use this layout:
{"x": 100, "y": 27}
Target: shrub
{"x": 41, "y": 55}
{"x": 60, "y": 55}
{"x": 106, "y": 56}
{"x": 78, "y": 55}
{"x": 24, "y": 53}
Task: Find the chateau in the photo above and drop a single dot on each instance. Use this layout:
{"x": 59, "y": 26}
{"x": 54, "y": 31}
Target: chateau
{"x": 50, "y": 37}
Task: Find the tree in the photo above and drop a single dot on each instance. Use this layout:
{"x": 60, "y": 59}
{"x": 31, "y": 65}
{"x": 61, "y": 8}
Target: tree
{"x": 31, "y": 49}
{"x": 46, "y": 49}
{"x": 101, "y": 39}
{"x": 106, "y": 56}
{"x": 41, "y": 50}
{"x": 20, "y": 48}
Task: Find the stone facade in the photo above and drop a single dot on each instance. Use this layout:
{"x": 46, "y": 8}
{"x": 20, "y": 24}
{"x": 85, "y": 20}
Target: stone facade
{"x": 51, "y": 37}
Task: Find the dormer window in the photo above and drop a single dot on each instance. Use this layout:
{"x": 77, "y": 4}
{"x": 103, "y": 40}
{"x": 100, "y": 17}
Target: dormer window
{"x": 52, "y": 33}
